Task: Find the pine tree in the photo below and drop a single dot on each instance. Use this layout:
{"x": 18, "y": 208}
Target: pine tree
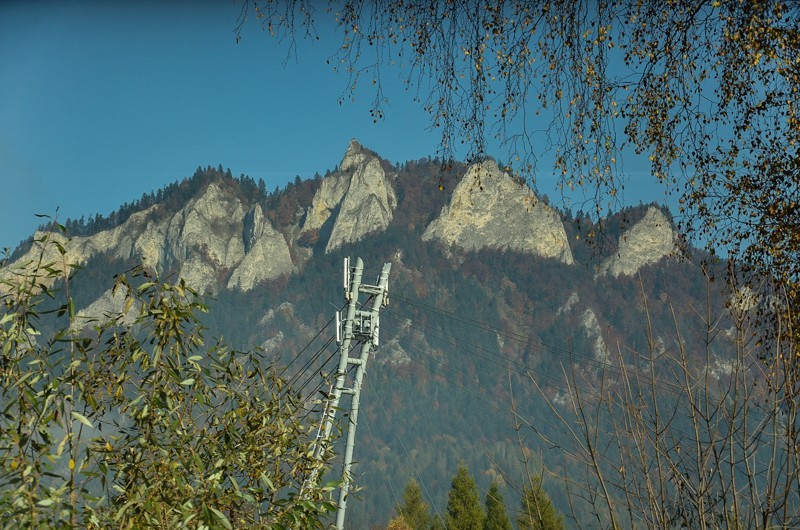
{"x": 537, "y": 511}
{"x": 437, "y": 523}
{"x": 464, "y": 511}
{"x": 399, "y": 523}
{"x": 414, "y": 510}
{"x": 496, "y": 517}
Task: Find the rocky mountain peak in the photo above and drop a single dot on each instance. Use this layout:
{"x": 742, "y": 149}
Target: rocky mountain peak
{"x": 647, "y": 241}
{"x": 489, "y": 209}
{"x": 357, "y": 200}
{"x": 213, "y": 233}
{"x": 266, "y": 252}
{"x": 355, "y": 154}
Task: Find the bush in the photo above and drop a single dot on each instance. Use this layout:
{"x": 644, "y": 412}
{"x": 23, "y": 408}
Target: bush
{"x": 136, "y": 421}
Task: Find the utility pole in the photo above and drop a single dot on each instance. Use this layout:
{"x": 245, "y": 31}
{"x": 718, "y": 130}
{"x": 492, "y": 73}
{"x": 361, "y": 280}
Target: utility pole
{"x": 357, "y": 332}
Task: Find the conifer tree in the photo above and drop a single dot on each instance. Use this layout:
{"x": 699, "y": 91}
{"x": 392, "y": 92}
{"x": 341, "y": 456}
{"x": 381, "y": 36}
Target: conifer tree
{"x": 496, "y": 516}
{"x": 437, "y": 523}
{"x": 414, "y": 510}
{"x": 464, "y": 511}
{"x": 537, "y": 511}
{"x": 399, "y": 523}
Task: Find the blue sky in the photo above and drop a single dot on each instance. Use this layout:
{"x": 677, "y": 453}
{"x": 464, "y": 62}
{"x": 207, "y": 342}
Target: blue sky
{"x": 103, "y": 101}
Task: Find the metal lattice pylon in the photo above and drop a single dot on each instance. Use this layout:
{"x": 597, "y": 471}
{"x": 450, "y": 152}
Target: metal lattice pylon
{"x": 357, "y": 332}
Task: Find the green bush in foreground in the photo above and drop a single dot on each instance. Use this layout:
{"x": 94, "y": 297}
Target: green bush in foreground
{"x": 134, "y": 421}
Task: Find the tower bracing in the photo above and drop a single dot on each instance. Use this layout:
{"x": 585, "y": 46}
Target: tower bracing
{"x": 357, "y": 334}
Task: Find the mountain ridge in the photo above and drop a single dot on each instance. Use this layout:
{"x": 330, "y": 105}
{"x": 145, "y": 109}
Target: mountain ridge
{"x": 459, "y": 317}
{"x": 228, "y": 233}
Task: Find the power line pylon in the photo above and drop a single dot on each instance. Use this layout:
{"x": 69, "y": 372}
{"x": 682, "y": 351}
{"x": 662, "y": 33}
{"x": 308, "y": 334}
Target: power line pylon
{"x": 361, "y": 328}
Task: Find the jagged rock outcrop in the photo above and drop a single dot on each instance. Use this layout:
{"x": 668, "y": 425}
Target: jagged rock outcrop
{"x": 361, "y": 196}
{"x": 119, "y": 242}
{"x": 266, "y": 252}
{"x": 569, "y": 304}
{"x": 646, "y": 242}
{"x": 204, "y": 236}
{"x": 212, "y": 234}
{"x": 591, "y": 327}
{"x": 489, "y": 209}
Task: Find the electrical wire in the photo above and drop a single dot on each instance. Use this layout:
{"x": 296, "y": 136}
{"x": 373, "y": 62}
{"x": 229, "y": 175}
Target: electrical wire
{"x": 458, "y": 342}
{"x": 505, "y": 412}
{"x": 309, "y": 344}
{"x": 383, "y": 463}
{"x": 518, "y": 367}
{"x": 313, "y": 359}
{"x": 317, "y": 372}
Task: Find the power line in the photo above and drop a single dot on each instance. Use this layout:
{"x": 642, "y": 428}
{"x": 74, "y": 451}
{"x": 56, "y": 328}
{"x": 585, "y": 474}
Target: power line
{"x": 297, "y": 356}
{"x": 320, "y": 371}
{"x": 478, "y": 396}
{"x": 296, "y": 377}
{"x": 513, "y": 365}
{"x": 383, "y": 472}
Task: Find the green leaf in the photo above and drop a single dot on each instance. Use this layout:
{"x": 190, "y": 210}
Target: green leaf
{"x": 266, "y": 483}
{"x": 122, "y": 510}
{"x": 21, "y": 380}
{"x": 221, "y": 518}
{"x": 145, "y": 286}
{"x": 187, "y": 382}
{"x": 81, "y": 418}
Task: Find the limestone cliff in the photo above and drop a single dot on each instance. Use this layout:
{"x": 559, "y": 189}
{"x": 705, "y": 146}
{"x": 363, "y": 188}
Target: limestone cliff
{"x": 213, "y": 234}
{"x": 204, "y": 236}
{"x": 360, "y": 195}
{"x": 489, "y": 209}
{"x": 646, "y": 242}
{"x": 591, "y": 328}
{"x": 119, "y": 242}
{"x": 266, "y": 252}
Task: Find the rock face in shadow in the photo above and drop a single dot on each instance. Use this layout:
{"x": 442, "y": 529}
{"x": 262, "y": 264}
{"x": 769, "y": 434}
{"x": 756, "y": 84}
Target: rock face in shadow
{"x": 489, "y": 209}
{"x": 355, "y": 201}
{"x": 266, "y": 252}
{"x": 646, "y": 242}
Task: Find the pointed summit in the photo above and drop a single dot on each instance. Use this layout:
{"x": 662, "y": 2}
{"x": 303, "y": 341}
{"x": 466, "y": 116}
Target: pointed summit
{"x": 353, "y": 146}
{"x": 649, "y": 240}
{"x": 362, "y": 193}
{"x": 489, "y": 209}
